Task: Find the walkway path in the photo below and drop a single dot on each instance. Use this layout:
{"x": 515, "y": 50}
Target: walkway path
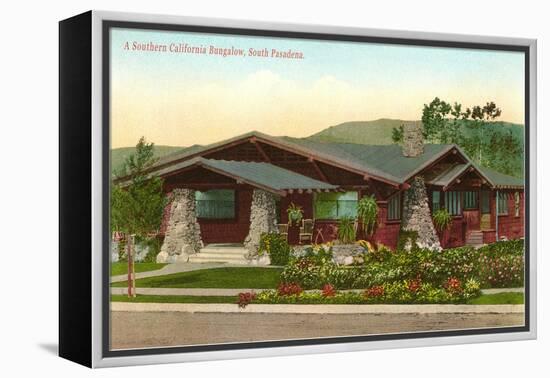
{"x": 182, "y": 267}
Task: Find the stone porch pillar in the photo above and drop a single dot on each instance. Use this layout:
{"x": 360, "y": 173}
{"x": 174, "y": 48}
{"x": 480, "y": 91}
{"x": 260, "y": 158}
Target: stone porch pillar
{"x": 183, "y": 234}
{"x": 263, "y": 219}
{"x": 417, "y": 217}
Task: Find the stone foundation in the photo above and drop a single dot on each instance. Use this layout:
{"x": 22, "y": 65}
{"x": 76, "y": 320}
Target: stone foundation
{"x": 263, "y": 219}
{"x": 417, "y": 217}
{"x": 183, "y": 234}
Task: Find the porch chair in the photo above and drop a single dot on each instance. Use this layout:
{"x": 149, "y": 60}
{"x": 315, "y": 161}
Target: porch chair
{"x": 283, "y": 230}
{"x": 306, "y": 231}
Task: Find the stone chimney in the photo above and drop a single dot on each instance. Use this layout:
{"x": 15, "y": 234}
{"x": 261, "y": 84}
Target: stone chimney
{"x": 413, "y": 140}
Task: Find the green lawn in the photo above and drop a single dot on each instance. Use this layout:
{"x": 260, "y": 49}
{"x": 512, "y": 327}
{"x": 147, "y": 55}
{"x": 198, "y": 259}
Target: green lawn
{"x": 500, "y": 298}
{"x": 119, "y": 268}
{"x": 227, "y": 278}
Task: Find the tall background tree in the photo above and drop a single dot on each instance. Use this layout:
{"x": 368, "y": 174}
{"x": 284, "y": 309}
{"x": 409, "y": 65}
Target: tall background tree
{"x": 473, "y": 129}
{"x": 137, "y": 200}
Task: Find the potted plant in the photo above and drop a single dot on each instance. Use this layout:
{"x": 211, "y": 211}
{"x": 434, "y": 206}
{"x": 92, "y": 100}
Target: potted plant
{"x": 442, "y": 223}
{"x": 367, "y": 214}
{"x": 346, "y": 230}
{"x": 295, "y": 214}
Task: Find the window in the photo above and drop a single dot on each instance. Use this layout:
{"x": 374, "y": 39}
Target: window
{"x": 216, "y": 204}
{"x": 516, "y": 204}
{"x": 502, "y": 203}
{"x": 335, "y": 205}
{"x": 470, "y": 200}
{"x": 394, "y": 207}
{"x": 436, "y": 201}
{"x": 452, "y": 203}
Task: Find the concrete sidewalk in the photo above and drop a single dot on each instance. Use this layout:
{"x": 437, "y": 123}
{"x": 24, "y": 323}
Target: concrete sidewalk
{"x": 316, "y": 309}
{"x": 235, "y": 292}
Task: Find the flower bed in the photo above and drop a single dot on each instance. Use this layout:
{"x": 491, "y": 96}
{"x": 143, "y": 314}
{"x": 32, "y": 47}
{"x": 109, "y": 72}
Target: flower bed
{"x": 496, "y": 265}
{"x": 399, "y": 292}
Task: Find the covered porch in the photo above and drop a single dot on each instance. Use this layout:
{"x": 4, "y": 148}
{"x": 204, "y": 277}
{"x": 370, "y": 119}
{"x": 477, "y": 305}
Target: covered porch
{"x": 230, "y": 201}
{"x": 484, "y": 208}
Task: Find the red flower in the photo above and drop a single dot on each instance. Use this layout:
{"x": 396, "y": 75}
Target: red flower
{"x": 245, "y": 299}
{"x": 285, "y": 289}
{"x": 414, "y": 285}
{"x": 328, "y": 291}
{"x": 374, "y": 292}
{"x": 453, "y": 285}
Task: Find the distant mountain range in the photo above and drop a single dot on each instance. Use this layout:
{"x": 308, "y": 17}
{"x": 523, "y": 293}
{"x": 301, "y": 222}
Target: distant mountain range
{"x": 380, "y": 131}
{"x": 361, "y": 132}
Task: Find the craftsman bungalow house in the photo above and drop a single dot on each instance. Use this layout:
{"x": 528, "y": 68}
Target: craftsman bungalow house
{"x": 327, "y": 180}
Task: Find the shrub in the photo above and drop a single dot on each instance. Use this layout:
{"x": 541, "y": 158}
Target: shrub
{"x": 501, "y": 271}
{"x": 491, "y": 266}
{"x": 367, "y": 213}
{"x": 374, "y": 254}
{"x": 276, "y": 247}
{"x": 442, "y": 220}
{"x": 315, "y": 272}
{"x": 154, "y": 244}
{"x": 303, "y": 271}
{"x": 346, "y": 230}
{"x": 406, "y": 238}
{"x": 319, "y": 254}
{"x": 504, "y": 248}
{"x": 472, "y": 289}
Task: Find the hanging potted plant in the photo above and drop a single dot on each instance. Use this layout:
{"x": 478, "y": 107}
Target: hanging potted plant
{"x": 295, "y": 214}
{"x": 367, "y": 214}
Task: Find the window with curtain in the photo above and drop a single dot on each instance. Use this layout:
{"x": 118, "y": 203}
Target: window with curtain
{"x": 470, "y": 200}
{"x": 216, "y": 204}
{"x": 335, "y": 205}
{"x": 436, "y": 201}
{"x": 452, "y": 202}
{"x": 516, "y": 204}
{"x": 394, "y": 207}
{"x": 502, "y": 203}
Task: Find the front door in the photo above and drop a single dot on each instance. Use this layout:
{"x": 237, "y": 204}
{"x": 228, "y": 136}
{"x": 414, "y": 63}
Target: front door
{"x": 485, "y": 206}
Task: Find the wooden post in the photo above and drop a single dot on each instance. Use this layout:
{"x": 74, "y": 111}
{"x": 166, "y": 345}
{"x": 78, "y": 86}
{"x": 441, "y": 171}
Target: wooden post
{"x": 129, "y": 257}
{"x": 131, "y": 268}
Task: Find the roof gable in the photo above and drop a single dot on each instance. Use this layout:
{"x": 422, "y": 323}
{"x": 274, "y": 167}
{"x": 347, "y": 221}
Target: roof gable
{"x": 382, "y": 162}
{"x": 263, "y": 175}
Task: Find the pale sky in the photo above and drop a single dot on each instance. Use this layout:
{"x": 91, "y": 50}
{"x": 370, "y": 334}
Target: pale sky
{"x": 183, "y": 99}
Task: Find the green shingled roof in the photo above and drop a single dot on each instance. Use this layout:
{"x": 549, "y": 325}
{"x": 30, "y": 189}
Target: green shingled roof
{"x": 383, "y": 161}
{"x": 500, "y": 180}
{"x": 258, "y": 174}
{"x": 387, "y": 159}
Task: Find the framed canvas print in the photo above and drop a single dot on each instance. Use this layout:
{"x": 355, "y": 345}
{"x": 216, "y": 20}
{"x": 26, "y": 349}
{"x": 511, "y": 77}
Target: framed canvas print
{"x": 232, "y": 189}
